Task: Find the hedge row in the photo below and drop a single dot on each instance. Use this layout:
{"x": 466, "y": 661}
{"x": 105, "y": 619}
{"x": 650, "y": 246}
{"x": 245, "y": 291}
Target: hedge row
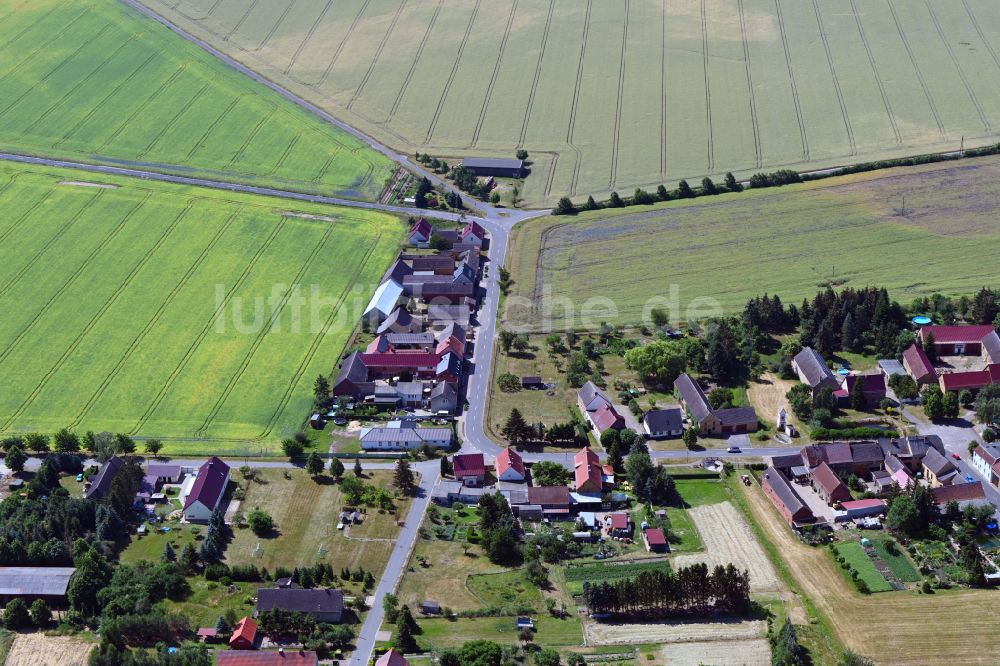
{"x": 851, "y": 433}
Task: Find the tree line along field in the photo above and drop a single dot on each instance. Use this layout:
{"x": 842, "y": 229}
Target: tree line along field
{"x": 94, "y": 80}
{"x": 168, "y": 311}
{"x": 623, "y": 93}
{"x": 791, "y": 241}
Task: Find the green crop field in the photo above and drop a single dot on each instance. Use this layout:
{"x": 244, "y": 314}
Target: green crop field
{"x": 623, "y": 93}
{"x": 174, "y": 312}
{"x": 790, "y": 241}
{"x": 96, "y": 81}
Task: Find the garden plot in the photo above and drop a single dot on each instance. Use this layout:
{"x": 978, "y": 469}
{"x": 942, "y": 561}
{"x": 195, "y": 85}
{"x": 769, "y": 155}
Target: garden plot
{"x": 40, "y": 650}
{"x": 718, "y": 653}
{"x": 732, "y": 634}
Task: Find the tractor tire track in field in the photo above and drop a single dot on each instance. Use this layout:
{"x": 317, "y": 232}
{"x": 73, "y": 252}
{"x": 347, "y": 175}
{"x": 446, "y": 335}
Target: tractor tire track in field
{"x": 796, "y": 102}
{"x": 315, "y": 344}
{"x": 616, "y": 136}
{"x": 262, "y": 334}
{"x": 215, "y": 123}
{"x": 958, "y": 68}
{"x": 833, "y": 76}
{"x": 277, "y": 24}
{"x": 79, "y": 83}
{"x": 378, "y": 54}
{"x": 454, "y": 70}
{"x": 142, "y": 106}
{"x": 340, "y": 47}
{"x": 41, "y": 251}
{"x": 284, "y": 156}
{"x": 52, "y": 71}
{"x": 663, "y": 89}
{"x": 916, "y": 68}
{"x": 239, "y": 24}
{"x": 211, "y": 10}
{"x": 73, "y": 276}
{"x": 153, "y": 320}
{"x": 552, "y": 174}
{"x": 175, "y": 373}
{"x": 413, "y": 65}
{"x": 878, "y": 78}
{"x": 309, "y": 34}
{"x": 496, "y": 73}
{"x": 753, "y": 100}
{"x": 31, "y": 25}
{"x": 571, "y": 126}
{"x": 265, "y": 119}
{"x": 538, "y": 74}
{"x": 101, "y": 311}
{"x": 17, "y": 223}
{"x": 982, "y": 36}
{"x": 708, "y": 88}
{"x": 167, "y": 125}
{"x": 97, "y": 107}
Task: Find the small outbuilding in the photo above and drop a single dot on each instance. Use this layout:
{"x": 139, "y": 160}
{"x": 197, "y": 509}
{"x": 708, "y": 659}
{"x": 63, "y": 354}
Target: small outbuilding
{"x": 495, "y": 166}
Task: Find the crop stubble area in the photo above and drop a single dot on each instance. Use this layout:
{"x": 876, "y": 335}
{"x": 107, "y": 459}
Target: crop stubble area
{"x": 621, "y": 93}
{"x": 147, "y": 308}
{"x": 789, "y": 241}
{"x": 40, "y": 650}
{"x": 94, "y": 80}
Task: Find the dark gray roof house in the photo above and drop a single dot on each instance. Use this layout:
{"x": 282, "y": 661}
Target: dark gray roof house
{"x": 353, "y": 379}
{"x": 47, "y": 583}
{"x": 398, "y": 321}
{"x": 991, "y": 347}
{"x": 591, "y": 397}
{"x": 323, "y": 605}
{"x": 101, "y": 485}
{"x": 939, "y": 466}
{"x": 664, "y": 422}
{"x": 444, "y": 398}
{"x": 692, "y": 397}
{"x": 813, "y": 370}
{"x": 495, "y": 166}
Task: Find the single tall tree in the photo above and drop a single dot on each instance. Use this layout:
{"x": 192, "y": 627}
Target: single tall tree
{"x": 402, "y": 477}
{"x": 336, "y": 468}
{"x": 314, "y": 464}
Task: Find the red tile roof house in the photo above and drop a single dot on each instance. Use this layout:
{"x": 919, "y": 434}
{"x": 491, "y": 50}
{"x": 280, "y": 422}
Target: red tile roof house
{"x": 863, "y": 507}
{"x": 587, "y": 472}
{"x": 470, "y": 468}
{"x": 244, "y": 635}
{"x": 828, "y": 485}
{"x": 656, "y": 542}
{"x": 619, "y": 525}
{"x": 986, "y": 459}
{"x": 785, "y": 499}
{"x": 420, "y": 233}
{"x": 207, "y": 491}
{"x": 597, "y": 408}
{"x": 838, "y": 456}
{"x": 392, "y": 658}
{"x": 510, "y": 466}
{"x": 918, "y": 366}
{"x": 269, "y": 658}
{"x": 957, "y": 340}
{"x": 472, "y": 233}
{"x": 970, "y": 381}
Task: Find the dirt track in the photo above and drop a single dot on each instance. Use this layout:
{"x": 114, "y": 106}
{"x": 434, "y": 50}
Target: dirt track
{"x": 892, "y": 627}
{"x": 728, "y": 539}
{"x": 39, "y": 650}
{"x": 723, "y": 633}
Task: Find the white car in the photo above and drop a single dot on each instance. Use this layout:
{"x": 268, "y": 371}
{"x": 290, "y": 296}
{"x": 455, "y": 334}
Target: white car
{"x": 733, "y": 449}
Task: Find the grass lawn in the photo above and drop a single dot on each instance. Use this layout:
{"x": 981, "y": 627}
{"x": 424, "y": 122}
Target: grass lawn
{"x": 578, "y": 258}
{"x": 96, "y": 81}
{"x": 166, "y": 311}
{"x": 683, "y": 528}
{"x": 209, "y": 600}
{"x": 897, "y": 560}
{"x": 151, "y": 546}
{"x": 859, "y": 561}
{"x": 593, "y": 572}
{"x": 510, "y": 589}
{"x": 306, "y": 514}
{"x": 698, "y": 492}
{"x": 440, "y": 633}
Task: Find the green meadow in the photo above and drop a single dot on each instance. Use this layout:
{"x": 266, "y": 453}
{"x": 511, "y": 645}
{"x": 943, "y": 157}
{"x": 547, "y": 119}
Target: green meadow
{"x": 95, "y": 81}
{"x": 174, "y": 312}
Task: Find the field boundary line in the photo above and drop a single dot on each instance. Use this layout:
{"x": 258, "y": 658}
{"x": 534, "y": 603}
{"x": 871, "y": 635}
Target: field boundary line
{"x": 315, "y": 344}
{"x": 413, "y": 65}
{"x": 42, "y": 250}
{"x": 916, "y": 67}
{"x": 551, "y": 175}
{"x": 833, "y": 76}
{"x": 958, "y": 68}
{"x": 166, "y": 126}
{"x": 343, "y": 42}
{"x": 193, "y": 347}
{"x": 79, "y": 82}
{"x": 211, "y": 127}
{"x": 538, "y": 74}
{"x": 153, "y": 320}
{"x": 277, "y": 24}
{"x": 753, "y": 99}
{"x": 239, "y": 24}
{"x": 663, "y": 89}
{"x": 99, "y": 314}
{"x": 309, "y": 35}
{"x": 796, "y": 102}
{"x": 708, "y": 88}
{"x": 262, "y": 334}
{"x": 90, "y": 114}
{"x": 377, "y": 55}
{"x": 142, "y": 106}
{"x": 55, "y": 69}
{"x": 496, "y": 73}
{"x": 571, "y": 127}
{"x": 454, "y": 70}
{"x": 878, "y": 78}
{"x": 613, "y": 176}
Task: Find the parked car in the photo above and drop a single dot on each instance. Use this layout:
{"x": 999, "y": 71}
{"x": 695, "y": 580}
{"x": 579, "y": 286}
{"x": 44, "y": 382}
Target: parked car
{"x": 733, "y": 449}
{"x": 956, "y": 456}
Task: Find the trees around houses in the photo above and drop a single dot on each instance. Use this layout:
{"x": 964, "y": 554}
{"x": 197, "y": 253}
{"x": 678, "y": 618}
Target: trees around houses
{"x": 516, "y": 430}
{"x": 292, "y": 448}
{"x": 41, "y": 615}
{"x": 988, "y": 404}
{"x": 509, "y": 383}
{"x": 949, "y": 405}
{"x": 658, "y": 363}
{"x": 260, "y": 521}
{"x": 402, "y": 477}
{"x": 357, "y": 468}
{"x": 16, "y": 615}
{"x": 904, "y": 387}
{"x": 800, "y": 399}
{"x": 314, "y": 465}
{"x": 153, "y": 446}
{"x": 336, "y": 468}
{"x": 690, "y": 438}
{"x": 66, "y": 441}
{"x": 445, "y": 466}
{"x": 933, "y": 401}
{"x": 564, "y": 207}
{"x": 858, "y": 401}
{"x": 548, "y": 473}
{"x": 506, "y": 340}
{"x": 651, "y": 482}
{"x": 15, "y": 459}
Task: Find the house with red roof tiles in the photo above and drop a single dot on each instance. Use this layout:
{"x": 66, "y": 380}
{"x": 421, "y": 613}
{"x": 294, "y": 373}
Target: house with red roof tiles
{"x": 956, "y": 340}
{"x": 828, "y": 485}
{"x": 918, "y": 366}
{"x": 281, "y": 657}
{"x": 469, "y": 468}
{"x": 244, "y": 635}
{"x": 655, "y": 540}
{"x": 587, "y": 472}
{"x": 971, "y": 380}
{"x": 392, "y": 658}
{"x": 420, "y": 233}
{"x": 207, "y": 491}
{"x": 510, "y": 466}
